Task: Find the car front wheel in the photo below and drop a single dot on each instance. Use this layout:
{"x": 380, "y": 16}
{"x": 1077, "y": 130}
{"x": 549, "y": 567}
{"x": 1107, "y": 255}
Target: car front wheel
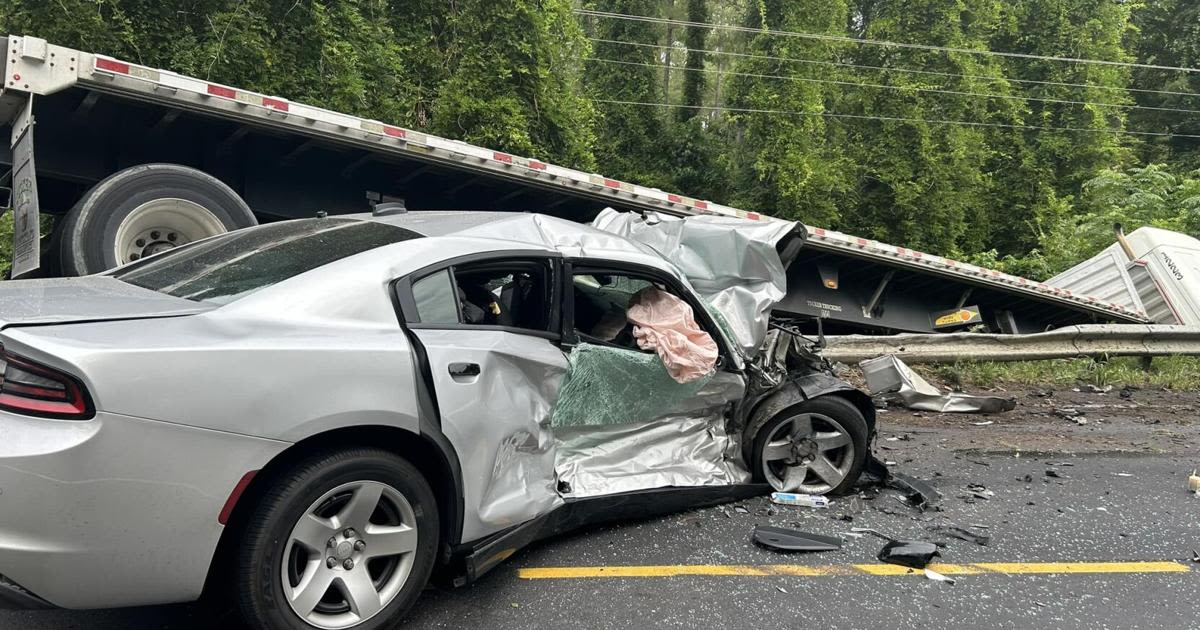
{"x": 818, "y": 446}
{"x": 342, "y": 540}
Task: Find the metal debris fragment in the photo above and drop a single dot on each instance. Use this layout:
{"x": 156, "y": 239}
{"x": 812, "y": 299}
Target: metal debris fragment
{"x": 889, "y": 375}
{"x": 961, "y": 533}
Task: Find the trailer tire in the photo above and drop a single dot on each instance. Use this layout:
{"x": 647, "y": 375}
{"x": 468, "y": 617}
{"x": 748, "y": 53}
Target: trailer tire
{"x": 143, "y": 210}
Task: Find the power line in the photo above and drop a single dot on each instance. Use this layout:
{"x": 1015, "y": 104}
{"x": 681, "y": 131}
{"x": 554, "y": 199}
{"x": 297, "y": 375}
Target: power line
{"x": 874, "y": 42}
{"x": 904, "y": 88}
{"x": 901, "y": 70}
{"x": 904, "y": 119}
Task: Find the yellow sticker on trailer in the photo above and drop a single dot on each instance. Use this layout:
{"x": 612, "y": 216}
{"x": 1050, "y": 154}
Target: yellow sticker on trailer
{"x": 957, "y": 317}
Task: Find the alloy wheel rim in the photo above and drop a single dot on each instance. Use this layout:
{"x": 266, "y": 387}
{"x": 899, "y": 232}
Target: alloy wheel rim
{"x": 809, "y": 453}
{"x": 349, "y": 555}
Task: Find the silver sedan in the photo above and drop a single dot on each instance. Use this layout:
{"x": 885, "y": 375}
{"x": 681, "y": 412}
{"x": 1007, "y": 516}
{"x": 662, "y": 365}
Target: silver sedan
{"x": 312, "y": 416}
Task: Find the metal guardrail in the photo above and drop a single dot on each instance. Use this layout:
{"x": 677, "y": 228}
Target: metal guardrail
{"x": 1090, "y": 340}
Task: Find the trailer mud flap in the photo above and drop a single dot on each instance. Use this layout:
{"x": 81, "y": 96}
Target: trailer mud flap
{"x": 26, "y": 244}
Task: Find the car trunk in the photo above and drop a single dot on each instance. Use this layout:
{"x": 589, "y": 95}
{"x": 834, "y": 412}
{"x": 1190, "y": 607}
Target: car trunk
{"x": 86, "y": 299}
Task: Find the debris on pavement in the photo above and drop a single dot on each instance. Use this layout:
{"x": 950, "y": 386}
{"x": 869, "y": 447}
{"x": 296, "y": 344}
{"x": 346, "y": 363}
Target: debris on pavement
{"x": 1050, "y": 472}
{"x": 917, "y": 493}
{"x": 938, "y": 577}
{"x": 914, "y": 554}
{"x": 1195, "y": 556}
{"x": 980, "y": 491}
{"x": 802, "y": 500}
{"x": 1071, "y": 413}
{"x": 1194, "y": 483}
{"x": 889, "y": 375}
{"x": 984, "y": 423}
{"x": 784, "y": 539}
{"x": 961, "y": 533}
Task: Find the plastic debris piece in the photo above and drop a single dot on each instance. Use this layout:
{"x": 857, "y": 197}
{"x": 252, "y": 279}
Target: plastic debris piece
{"x": 784, "y": 539}
{"x": 1194, "y": 482}
{"x": 1195, "y": 556}
{"x": 1050, "y": 472}
{"x": 984, "y": 423}
{"x": 961, "y": 533}
{"x": 1123, "y": 474}
{"x": 868, "y": 530}
{"x": 802, "y": 500}
{"x": 918, "y": 493}
{"x": 914, "y": 554}
{"x": 938, "y": 577}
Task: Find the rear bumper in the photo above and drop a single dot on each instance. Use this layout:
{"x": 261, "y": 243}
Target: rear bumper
{"x": 13, "y": 596}
{"x": 113, "y": 511}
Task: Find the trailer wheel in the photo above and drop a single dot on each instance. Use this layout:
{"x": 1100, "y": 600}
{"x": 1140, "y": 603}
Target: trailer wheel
{"x": 144, "y": 210}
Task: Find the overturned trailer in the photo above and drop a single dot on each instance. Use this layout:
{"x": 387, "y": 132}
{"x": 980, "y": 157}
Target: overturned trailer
{"x": 137, "y": 160}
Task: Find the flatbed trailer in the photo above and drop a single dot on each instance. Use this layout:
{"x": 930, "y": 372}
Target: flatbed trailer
{"x": 130, "y": 155}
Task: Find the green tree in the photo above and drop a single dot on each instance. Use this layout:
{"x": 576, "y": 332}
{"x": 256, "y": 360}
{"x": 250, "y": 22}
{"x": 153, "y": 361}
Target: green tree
{"x": 514, "y": 84}
{"x": 783, "y": 161}
{"x": 1038, "y": 170}
{"x": 1168, "y": 34}
{"x": 693, "y": 77}
{"x": 1136, "y": 197}
{"x": 922, "y": 183}
{"x": 630, "y": 132}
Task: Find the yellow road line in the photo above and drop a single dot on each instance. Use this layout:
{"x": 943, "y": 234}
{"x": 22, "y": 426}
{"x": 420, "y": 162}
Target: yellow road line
{"x": 1007, "y": 568}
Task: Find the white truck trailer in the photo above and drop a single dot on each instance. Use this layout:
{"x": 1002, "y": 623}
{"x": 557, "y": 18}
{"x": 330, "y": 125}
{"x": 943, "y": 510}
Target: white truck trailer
{"x": 136, "y": 160}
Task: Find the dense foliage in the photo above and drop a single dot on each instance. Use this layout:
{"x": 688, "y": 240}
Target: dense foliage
{"x": 1016, "y": 162}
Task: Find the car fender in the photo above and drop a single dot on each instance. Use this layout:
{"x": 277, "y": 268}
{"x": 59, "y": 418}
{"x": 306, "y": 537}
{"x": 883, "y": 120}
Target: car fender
{"x": 798, "y": 389}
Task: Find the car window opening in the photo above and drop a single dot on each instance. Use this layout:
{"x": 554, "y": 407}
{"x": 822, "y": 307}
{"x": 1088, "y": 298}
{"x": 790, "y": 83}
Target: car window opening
{"x": 602, "y": 305}
{"x": 514, "y": 295}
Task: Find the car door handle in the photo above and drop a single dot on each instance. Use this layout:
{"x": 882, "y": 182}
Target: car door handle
{"x": 460, "y": 370}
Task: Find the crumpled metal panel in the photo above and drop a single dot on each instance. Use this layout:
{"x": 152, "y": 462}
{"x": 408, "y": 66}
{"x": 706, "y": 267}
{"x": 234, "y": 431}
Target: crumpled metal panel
{"x": 889, "y": 374}
{"x": 499, "y": 422}
{"x": 731, "y": 262}
{"x": 688, "y": 448}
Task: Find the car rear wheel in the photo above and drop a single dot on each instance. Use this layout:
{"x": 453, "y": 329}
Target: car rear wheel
{"x": 816, "y": 447}
{"x": 344, "y": 540}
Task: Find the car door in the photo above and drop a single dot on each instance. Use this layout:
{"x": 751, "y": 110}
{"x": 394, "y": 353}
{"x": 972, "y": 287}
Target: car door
{"x": 622, "y": 424}
{"x": 490, "y": 328}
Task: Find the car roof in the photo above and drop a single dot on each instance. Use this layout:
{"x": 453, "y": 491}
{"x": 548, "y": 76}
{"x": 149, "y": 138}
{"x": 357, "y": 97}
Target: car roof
{"x": 439, "y": 222}
{"x": 507, "y": 230}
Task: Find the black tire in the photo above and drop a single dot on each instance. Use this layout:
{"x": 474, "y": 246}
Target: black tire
{"x": 835, "y": 407}
{"x": 87, "y": 237}
{"x": 258, "y": 590}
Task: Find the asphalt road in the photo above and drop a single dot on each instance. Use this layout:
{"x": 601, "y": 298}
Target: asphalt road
{"x": 1113, "y": 536}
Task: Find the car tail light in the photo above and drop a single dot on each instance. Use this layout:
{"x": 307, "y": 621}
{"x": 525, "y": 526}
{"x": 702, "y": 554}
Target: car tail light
{"x": 33, "y": 389}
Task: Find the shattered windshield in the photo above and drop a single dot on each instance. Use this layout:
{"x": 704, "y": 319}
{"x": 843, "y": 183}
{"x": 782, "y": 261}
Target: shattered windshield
{"x": 222, "y": 269}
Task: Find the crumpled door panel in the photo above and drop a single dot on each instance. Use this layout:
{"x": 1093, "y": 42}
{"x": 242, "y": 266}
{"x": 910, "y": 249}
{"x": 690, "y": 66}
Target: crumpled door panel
{"x": 498, "y": 421}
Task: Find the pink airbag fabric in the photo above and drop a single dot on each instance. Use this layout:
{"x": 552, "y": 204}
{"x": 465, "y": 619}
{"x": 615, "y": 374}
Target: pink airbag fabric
{"x": 665, "y": 324}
